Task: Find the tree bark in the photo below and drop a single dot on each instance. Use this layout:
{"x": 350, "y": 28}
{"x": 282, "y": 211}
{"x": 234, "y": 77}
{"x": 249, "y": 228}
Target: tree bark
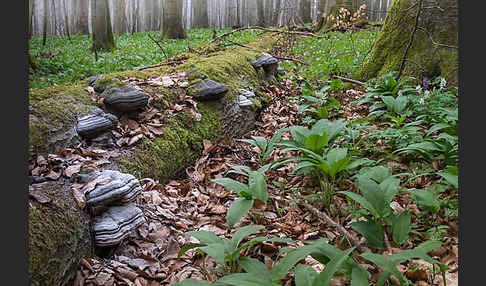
{"x": 31, "y": 15}
{"x": 44, "y": 22}
{"x": 102, "y": 32}
{"x": 306, "y": 11}
{"x": 120, "y": 21}
{"x": 433, "y": 50}
{"x": 173, "y": 20}
{"x": 83, "y": 22}
{"x": 66, "y": 20}
{"x": 261, "y": 13}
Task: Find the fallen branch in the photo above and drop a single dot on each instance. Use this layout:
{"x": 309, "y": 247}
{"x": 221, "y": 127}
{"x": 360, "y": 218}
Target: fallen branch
{"x": 305, "y": 34}
{"x": 324, "y": 218}
{"x": 159, "y": 65}
{"x": 275, "y": 56}
{"x": 349, "y": 80}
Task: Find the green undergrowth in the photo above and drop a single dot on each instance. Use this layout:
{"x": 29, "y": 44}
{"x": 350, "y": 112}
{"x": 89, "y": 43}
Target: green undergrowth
{"x": 337, "y": 53}
{"x": 63, "y": 61}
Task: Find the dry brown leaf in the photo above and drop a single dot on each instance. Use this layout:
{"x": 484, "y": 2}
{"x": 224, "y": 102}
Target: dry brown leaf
{"x": 156, "y": 130}
{"x": 53, "y": 175}
{"x": 38, "y": 196}
{"x": 134, "y": 139}
{"x": 71, "y": 170}
{"x": 79, "y": 197}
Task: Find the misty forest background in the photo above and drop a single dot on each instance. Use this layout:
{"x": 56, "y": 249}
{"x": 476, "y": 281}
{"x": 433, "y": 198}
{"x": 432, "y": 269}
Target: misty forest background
{"x": 131, "y": 16}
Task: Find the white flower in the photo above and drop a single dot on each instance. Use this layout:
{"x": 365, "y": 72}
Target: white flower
{"x": 443, "y": 83}
{"x": 399, "y": 93}
{"x": 418, "y": 88}
{"x": 422, "y": 101}
{"x": 426, "y": 94}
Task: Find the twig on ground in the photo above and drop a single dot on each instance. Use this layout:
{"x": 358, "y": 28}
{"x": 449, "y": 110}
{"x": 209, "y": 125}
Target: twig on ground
{"x": 324, "y": 218}
{"x": 349, "y": 80}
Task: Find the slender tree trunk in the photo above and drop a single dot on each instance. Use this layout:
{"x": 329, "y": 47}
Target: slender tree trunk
{"x": 31, "y": 15}
{"x": 276, "y": 13}
{"x": 261, "y": 13}
{"x": 156, "y": 15}
{"x": 44, "y": 21}
{"x": 66, "y": 19}
{"x": 54, "y": 17}
{"x": 83, "y": 23}
{"x": 173, "y": 20}
{"x": 102, "y": 32}
{"x": 306, "y": 10}
{"x": 148, "y": 12}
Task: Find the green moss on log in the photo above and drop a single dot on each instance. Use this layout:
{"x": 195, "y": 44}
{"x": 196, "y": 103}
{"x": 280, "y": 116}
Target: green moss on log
{"x": 59, "y": 236}
{"x": 178, "y": 147}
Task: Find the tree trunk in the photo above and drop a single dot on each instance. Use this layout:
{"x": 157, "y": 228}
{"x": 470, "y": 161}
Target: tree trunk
{"x": 306, "y": 10}
{"x": 66, "y": 20}
{"x": 102, "y": 33}
{"x": 433, "y": 50}
{"x": 120, "y": 20}
{"x": 44, "y": 22}
{"x": 54, "y": 17}
{"x": 276, "y": 13}
{"x": 156, "y": 15}
{"x": 173, "y": 20}
{"x": 261, "y": 13}
{"x": 31, "y": 15}
{"x": 83, "y": 22}
{"x": 148, "y": 15}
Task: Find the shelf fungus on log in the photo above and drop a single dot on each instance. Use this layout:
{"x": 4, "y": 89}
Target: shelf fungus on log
{"x": 268, "y": 63}
{"x": 124, "y": 98}
{"x": 243, "y": 97}
{"x": 116, "y": 223}
{"x": 92, "y": 125}
{"x": 207, "y": 89}
{"x": 92, "y": 79}
{"x": 121, "y": 189}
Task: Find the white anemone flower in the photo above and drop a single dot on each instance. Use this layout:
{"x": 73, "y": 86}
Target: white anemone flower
{"x": 443, "y": 83}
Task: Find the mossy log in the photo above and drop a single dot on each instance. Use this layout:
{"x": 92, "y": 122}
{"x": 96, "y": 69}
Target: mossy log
{"x": 58, "y": 234}
{"x": 434, "y": 48}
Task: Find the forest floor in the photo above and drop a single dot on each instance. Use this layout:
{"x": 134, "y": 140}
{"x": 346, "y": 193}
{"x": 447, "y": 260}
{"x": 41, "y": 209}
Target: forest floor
{"x": 150, "y": 256}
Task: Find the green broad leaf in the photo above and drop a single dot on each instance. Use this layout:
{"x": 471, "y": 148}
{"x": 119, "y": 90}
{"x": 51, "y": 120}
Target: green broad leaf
{"x": 372, "y": 232}
{"x": 261, "y": 143}
{"x": 237, "y": 210}
{"x": 250, "y": 141}
{"x": 437, "y": 127}
{"x": 246, "y": 279}
{"x": 426, "y": 200}
{"x": 192, "y": 282}
{"x": 299, "y": 133}
{"x": 335, "y": 155}
{"x": 253, "y": 266}
{"x": 280, "y": 270}
{"x": 205, "y": 237}
{"x": 322, "y": 112}
{"x": 258, "y": 186}
{"x": 387, "y": 265}
{"x": 450, "y": 178}
{"x": 324, "y": 278}
{"x": 377, "y": 173}
{"x": 400, "y": 104}
{"x": 339, "y": 166}
{"x": 360, "y": 162}
{"x": 241, "y": 167}
{"x": 316, "y": 143}
{"x": 231, "y": 185}
{"x": 304, "y": 275}
{"x": 401, "y": 228}
{"x": 216, "y": 251}
{"x": 389, "y": 186}
{"x": 360, "y": 277}
{"x": 332, "y": 128}
{"x": 362, "y": 201}
{"x": 373, "y": 194}
{"x": 243, "y": 232}
{"x": 186, "y": 247}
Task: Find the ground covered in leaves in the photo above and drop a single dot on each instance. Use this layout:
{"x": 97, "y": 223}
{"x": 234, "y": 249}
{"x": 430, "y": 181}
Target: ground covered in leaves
{"x": 150, "y": 256}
